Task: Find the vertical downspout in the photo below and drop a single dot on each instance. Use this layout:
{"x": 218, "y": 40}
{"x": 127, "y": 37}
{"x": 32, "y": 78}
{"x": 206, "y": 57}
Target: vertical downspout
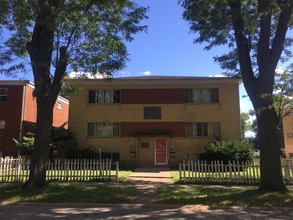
{"x": 22, "y": 116}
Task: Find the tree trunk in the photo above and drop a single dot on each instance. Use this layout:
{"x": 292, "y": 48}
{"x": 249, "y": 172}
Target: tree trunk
{"x": 40, "y": 49}
{"x": 41, "y": 150}
{"x": 270, "y": 163}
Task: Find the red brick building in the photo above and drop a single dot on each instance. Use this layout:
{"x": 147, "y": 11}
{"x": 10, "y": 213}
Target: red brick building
{"x": 18, "y": 113}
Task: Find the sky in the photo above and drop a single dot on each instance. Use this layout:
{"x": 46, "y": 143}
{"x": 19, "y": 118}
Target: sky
{"x": 168, "y": 49}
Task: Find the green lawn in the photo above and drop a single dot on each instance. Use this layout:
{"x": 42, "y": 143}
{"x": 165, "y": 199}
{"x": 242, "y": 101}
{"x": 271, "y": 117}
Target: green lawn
{"x": 224, "y": 196}
{"x": 94, "y": 193}
{"x": 68, "y": 193}
{"x": 74, "y": 175}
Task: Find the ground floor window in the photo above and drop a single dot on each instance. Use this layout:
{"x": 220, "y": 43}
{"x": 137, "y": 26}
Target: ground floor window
{"x": 2, "y": 127}
{"x": 103, "y": 129}
{"x": 203, "y": 129}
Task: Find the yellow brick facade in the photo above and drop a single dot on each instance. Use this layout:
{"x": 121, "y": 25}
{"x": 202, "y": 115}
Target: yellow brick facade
{"x": 288, "y": 132}
{"x": 226, "y": 112}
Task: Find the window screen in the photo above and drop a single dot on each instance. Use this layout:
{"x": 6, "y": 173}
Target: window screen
{"x": 152, "y": 112}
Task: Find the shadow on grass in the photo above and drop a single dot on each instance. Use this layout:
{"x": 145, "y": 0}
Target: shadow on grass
{"x": 224, "y": 197}
{"x": 68, "y": 193}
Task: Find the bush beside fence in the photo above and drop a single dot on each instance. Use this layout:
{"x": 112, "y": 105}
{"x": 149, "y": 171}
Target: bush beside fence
{"x": 17, "y": 170}
{"x": 233, "y": 172}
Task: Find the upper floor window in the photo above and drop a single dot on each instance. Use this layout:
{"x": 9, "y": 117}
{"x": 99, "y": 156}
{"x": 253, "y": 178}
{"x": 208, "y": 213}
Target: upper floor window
{"x": 152, "y": 112}
{"x": 3, "y": 94}
{"x": 202, "y": 95}
{"x": 2, "y": 127}
{"x": 59, "y": 106}
{"x": 104, "y": 96}
{"x": 103, "y": 129}
{"x": 203, "y": 129}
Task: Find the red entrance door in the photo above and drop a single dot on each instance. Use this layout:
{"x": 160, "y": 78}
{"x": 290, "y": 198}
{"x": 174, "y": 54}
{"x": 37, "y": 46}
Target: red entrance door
{"x": 161, "y": 151}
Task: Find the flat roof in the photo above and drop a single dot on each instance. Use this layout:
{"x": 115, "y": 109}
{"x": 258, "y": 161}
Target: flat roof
{"x": 154, "y": 79}
{"x": 28, "y": 83}
{"x": 16, "y": 82}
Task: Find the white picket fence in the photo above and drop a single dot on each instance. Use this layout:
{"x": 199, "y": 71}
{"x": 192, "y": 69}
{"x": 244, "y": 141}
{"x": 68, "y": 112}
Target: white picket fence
{"x": 17, "y": 170}
{"x": 233, "y": 172}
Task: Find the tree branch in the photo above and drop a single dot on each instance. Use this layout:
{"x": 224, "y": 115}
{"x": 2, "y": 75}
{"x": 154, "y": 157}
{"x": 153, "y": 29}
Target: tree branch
{"x": 263, "y": 46}
{"x": 279, "y": 39}
{"x": 59, "y": 73}
{"x": 243, "y": 47}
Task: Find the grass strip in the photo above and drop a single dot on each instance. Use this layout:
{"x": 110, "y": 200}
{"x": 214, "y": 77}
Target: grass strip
{"x": 234, "y": 196}
{"x": 68, "y": 193}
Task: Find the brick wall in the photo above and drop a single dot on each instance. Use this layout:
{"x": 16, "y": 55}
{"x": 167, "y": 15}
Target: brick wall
{"x": 130, "y": 114}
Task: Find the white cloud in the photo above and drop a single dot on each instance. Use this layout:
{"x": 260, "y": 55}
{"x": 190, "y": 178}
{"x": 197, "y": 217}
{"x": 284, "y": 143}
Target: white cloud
{"x": 76, "y": 75}
{"x": 129, "y": 74}
{"x": 217, "y": 75}
{"x": 146, "y": 73}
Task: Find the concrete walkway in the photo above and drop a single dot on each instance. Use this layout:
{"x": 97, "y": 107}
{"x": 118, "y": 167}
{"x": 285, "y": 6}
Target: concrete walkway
{"x": 147, "y": 180}
{"x": 152, "y": 174}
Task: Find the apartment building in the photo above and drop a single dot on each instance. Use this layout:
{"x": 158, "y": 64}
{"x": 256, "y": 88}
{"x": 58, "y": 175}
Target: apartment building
{"x": 18, "y": 113}
{"x": 154, "y": 120}
{"x": 288, "y": 131}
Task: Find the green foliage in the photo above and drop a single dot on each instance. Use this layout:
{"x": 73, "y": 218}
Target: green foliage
{"x": 283, "y": 103}
{"x": 216, "y": 23}
{"x": 61, "y": 140}
{"x": 230, "y": 150}
{"x": 93, "y": 32}
{"x": 283, "y": 92}
{"x": 64, "y": 140}
{"x": 26, "y": 142}
{"x": 245, "y": 124}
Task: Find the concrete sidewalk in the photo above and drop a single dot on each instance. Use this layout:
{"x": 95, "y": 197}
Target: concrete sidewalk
{"x": 151, "y": 174}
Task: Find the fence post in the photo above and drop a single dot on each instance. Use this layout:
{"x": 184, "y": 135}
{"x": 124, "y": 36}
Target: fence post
{"x": 230, "y": 171}
{"x": 184, "y": 174}
{"x": 286, "y": 171}
{"x": 188, "y": 168}
{"x": 117, "y": 170}
{"x": 180, "y": 172}
{"x": 19, "y": 169}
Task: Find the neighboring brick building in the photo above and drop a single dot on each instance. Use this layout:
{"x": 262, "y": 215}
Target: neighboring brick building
{"x": 156, "y": 120}
{"x": 288, "y": 131}
{"x": 18, "y": 113}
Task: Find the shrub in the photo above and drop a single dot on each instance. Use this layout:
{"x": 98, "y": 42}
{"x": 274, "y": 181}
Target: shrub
{"x": 230, "y": 150}
{"x": 62, "y": 141}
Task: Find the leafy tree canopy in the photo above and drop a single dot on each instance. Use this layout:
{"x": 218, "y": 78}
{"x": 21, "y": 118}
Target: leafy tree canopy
{"x": 283, "y": 93}
{"x": 245, "y": 124}
{"x": 92, "y": 32}
{"x": 214, "y": 21}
